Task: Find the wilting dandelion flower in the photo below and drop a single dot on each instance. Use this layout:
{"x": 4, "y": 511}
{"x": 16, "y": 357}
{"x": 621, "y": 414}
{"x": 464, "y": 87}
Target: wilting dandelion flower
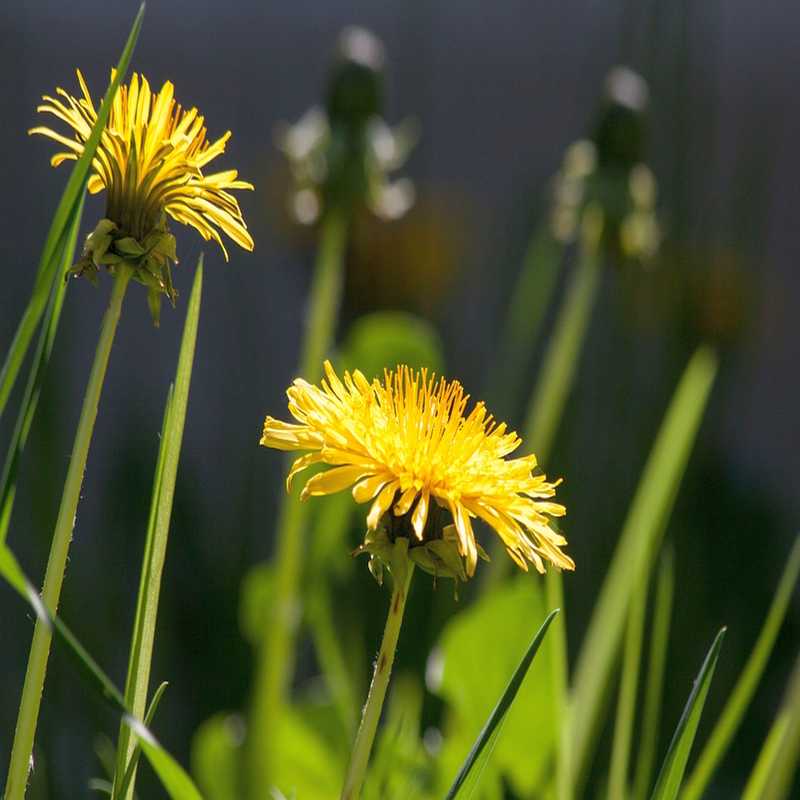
{"x": 428, "y": 468}
{"x": 150, "y": 161}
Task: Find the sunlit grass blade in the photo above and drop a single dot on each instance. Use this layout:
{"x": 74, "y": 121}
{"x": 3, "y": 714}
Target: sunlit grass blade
{"x": 155, "y": 549}
{"x": 669, "y": 780}
{"x": 57, "y": 235}
{"x": 492, "y": 728}
{"x": 777, "y": 763}
{"x": 656, "y": 663}
{"x": 41, "y": 358}
{"x": 740, "y": 698}
{"x": 174, "y": 779}
{"x": 634, "y": 556}
{"x": 130, "y": 771}
{"x": 626, "y": 700}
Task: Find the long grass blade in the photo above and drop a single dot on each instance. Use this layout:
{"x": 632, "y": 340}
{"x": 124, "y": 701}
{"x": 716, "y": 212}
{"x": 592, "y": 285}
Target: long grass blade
{"x": 174, "y": 779}
{"x": 30, "y": 398}
{"x": 57, "y": 235}
{"x": 656, "y": 663}
{"x": 626, "y": 701}
{"x": 492, "y": 727}
{"x": 777, "y": 763}
{"x": 742, "y": 694}
{"x": 669, "y": 779}
{"x": 143, "y": 638}
{"x": 634, "y": 556}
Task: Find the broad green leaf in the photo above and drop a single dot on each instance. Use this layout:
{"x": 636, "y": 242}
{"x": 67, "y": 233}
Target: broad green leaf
{"x": 656, "y": 664}
{"x": 475, "y": 654}
{"x": 47, "y": 271}
{"x": 216, "y": 756}
{"x": 384, "y": 339}
{"x": 155, "y": 549}
{"x": 177, "y": 783}
{"x": 633, "y": 558}
{"x": 742, "y": 694}
{"x": 669, "y": 780}
{"x": 30, "y": 398}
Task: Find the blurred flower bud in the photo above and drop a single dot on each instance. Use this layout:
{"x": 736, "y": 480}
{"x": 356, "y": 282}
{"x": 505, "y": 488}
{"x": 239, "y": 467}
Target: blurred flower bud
{"x": 605, "y": 176}
{"x": 342, "y": 156}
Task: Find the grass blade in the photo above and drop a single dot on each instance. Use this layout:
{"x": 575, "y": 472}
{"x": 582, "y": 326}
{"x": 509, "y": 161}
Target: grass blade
{"x": 491, "y": 728}
{"x": 656, "y": 663}
{"x": 626, "y": 701}
{"x": 144, "y": 627}
{"x": 745, "y": 687}
{"x": 777, "y": 763}
{"x": 30, "y": 398}
{"x": 137, "y": 751}
{"x": 174, "y": 779}
{"x": 671, "y": 775}
{"x": 634, "y": 555}
{"x": 46, "y": 273}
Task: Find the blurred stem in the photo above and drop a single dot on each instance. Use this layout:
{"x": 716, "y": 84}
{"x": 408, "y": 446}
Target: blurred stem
{"x": 560, "y": 364}
{"x": 656, "y": 662}
{"x": 276, "y": 653}
{"x": 626, "y": 701}
{"x": 529, "y": 302}
{"x": 402, "y": 570}
{"x": 62, "y": 535}
{"x": 557, "y": 373}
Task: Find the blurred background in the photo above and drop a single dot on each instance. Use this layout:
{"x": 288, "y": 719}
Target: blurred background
{"x": 498, "y": 95}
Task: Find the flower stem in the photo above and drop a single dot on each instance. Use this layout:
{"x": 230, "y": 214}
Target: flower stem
{"x": 276, "y": 654}
{"x": 21, "y": 753}
{"x": 371, "y": 714}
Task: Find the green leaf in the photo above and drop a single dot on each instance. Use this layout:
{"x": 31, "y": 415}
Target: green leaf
{"x": 742, "y": 694}
{"x": 58, "y": 234}
{"x": 777, "y": 763}
{"x": 41, "y": 359}
{"x": 671, "y": 775}
{"x": 216, "y": 756}
{"x": 177, "y": 783}
{"x": 626, "y": 700}
{"x": 155, "y": 550}
{"x": 633, "y": 558}
{"x": 383, "y": 339}
{"x": 657, "y": 659}
{"x": 137, "y": 751}
{"x": 492, "y": 727}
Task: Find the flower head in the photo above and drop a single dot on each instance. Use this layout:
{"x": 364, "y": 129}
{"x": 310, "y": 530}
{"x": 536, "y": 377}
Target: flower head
{"x": 408, "y": 447}
{"x": 150, "y": 161}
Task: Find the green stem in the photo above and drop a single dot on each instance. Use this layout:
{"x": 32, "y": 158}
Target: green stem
{"x": 56, "y": 565}
{"x": 558, "y": 681}
{"x": 561, "y": 360}
{"x": 277, "y": 650}
{"x": 359, "y": 756}
{"x": 529, "y": 302}
{"x": 556, "y": 376}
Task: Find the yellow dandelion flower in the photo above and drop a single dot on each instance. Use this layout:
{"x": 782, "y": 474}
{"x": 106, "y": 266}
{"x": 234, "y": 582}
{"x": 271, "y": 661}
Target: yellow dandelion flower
{"x": 150, "y": 160}
{"x": 408, "y": 446}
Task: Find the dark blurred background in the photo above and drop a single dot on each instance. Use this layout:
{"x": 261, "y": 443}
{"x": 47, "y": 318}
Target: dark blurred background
{"x": 499, "y": 92}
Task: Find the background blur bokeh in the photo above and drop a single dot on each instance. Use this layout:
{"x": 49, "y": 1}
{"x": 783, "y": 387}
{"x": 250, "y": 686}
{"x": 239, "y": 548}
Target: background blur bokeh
{"x": 498, "y": 92}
